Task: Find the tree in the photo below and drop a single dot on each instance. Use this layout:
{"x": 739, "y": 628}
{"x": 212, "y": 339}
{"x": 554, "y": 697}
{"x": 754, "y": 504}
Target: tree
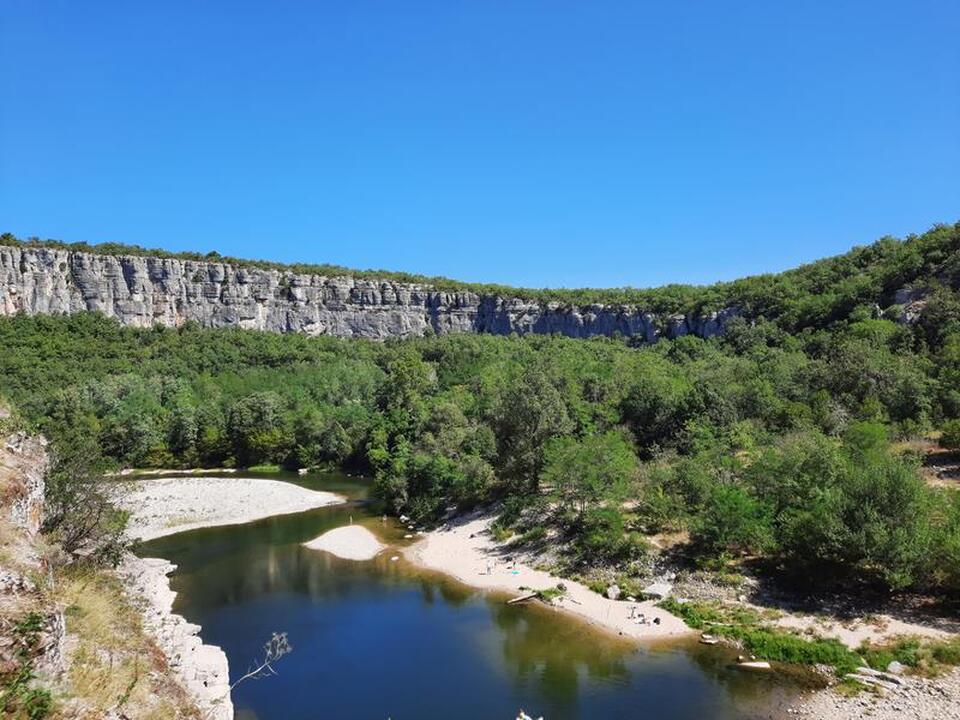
{"x": 78, "y": 511}
{"x": 527, "y": 416}
{"x": 732, "y": 521}
{"x": 584, "y": 471}
{"x": 256, "y": 428}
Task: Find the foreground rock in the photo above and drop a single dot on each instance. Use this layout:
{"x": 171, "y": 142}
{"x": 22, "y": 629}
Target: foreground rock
{"x": 76, "y": 637}
{"x": 202, "y": 669}
{"x": 165, "y": 506}
{"x": 353, "y": 542}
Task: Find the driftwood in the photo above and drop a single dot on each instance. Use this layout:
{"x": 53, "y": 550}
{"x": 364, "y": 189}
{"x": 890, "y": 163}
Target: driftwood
{"x": 522, "y": 598}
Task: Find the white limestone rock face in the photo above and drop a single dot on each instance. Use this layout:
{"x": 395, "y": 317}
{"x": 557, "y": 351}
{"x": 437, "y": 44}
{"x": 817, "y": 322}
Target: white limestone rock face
{"x": 23, "y": 467}
{"x": 144, "y": 291}
{"x": 202, "y": 669}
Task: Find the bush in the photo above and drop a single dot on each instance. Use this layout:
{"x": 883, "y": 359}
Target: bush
{"x": 903, "y": 650}
{"x": 733, "y": 522}
{"x": 601, "y": 538}
{"x": 950, "y": 437}
{"x": 948, "y": 652}
{"x": 534, "y": 534}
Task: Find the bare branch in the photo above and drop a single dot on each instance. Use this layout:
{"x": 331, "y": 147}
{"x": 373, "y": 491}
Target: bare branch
{"x": 275, "y": 648}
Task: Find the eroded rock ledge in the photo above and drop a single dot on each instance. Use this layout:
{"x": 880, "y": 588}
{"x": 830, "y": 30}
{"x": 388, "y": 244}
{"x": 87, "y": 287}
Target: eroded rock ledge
{"x": 144, "y": 291}
{"x": 202, "y": 669}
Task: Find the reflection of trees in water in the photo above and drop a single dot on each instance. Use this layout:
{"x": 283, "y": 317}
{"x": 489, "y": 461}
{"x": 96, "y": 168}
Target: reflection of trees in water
{"x": 752, "y": 691}
{"x": 196, "y": 548}
{"x": 452, "y": 593}
{"x": 554, "y": 656}
{"x": 230, "y": 566}
{"x": 555, "y": 652}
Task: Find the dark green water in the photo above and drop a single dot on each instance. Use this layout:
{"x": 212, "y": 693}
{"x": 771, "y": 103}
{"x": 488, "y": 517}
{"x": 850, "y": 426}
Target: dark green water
{"x": 383, "y": 639}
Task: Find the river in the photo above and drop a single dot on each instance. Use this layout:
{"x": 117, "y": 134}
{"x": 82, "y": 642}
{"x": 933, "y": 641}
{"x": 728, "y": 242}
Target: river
{"x": 384, "y": 639}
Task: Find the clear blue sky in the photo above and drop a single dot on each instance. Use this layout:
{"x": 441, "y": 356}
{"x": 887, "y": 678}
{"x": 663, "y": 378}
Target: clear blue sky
{"x": 533, "y": 143}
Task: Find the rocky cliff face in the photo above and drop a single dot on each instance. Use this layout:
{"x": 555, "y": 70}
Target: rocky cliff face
{"x": 23, "y": 468}
{"x": 143, "y": 291}
{"x": 169, "y": 662}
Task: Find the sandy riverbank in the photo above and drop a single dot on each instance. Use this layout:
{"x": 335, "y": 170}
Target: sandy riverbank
{"x": 466, "y": 550}
{"x": 164, "y": 506}
{"x": 351, "y": 542}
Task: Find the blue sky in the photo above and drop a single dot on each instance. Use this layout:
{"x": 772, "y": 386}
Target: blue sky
{"x": 533, "y": 143}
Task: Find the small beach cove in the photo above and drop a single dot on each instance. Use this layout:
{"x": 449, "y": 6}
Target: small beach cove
{"x": 364, "y": 632}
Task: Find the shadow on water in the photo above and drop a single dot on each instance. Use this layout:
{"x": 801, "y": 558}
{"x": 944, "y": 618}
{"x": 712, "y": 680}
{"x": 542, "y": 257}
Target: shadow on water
{"x": 384, "y": 639}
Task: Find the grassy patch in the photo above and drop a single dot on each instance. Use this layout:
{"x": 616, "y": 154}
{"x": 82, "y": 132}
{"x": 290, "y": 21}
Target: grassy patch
{"x": 265, "y": 468}
{"x": 746, "y": 627}
{"x": 550, "y": 594}
{"x": 743, "y": 625}
{"x": 177, "y": 520}
{"x": 922, "y": 657}
{"x": 598, "y": 586}
{"x": 115, "y": 667}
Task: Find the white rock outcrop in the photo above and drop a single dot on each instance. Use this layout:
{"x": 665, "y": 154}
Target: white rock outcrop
{"x": 143, "y": 291}
{"x": 202, "y": 669}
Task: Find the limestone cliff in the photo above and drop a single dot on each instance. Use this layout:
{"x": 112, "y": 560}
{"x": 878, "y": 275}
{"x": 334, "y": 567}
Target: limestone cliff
{"x": 143, "y": 291}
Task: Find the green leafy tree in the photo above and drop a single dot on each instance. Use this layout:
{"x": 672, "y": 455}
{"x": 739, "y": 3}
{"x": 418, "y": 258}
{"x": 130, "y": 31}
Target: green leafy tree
{"x": 256, "y": 429}
{"x": 733, "y": 522}
{"x": 584, "y": 471}
{"x": 950, "y": 436}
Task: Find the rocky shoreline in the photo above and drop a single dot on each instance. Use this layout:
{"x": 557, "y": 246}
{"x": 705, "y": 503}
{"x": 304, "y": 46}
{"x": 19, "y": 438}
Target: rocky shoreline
{"x": 912, "y": 699}
{"x": 203, "y": 669}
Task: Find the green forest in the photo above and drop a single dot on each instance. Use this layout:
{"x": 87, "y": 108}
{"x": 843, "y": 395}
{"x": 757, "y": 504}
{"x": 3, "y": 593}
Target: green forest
{"x": 795, "y": 439}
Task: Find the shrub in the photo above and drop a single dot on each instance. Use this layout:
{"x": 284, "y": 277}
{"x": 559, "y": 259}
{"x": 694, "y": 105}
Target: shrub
{"x": 950, "y": 438}
{"x": 534, "y": 534}
{"x": 733, "y": 522}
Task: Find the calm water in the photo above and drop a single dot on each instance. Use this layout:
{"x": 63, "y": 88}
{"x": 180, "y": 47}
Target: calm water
{"x": 382, "y": 639}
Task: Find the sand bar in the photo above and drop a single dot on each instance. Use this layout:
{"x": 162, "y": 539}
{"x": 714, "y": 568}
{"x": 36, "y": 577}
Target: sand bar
{"x": 351, "y": 542}
{"x": 164, "y": 506}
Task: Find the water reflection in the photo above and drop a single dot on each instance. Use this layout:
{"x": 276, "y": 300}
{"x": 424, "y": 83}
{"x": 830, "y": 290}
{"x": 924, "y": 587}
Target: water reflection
{"x": 380, "y": 638}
